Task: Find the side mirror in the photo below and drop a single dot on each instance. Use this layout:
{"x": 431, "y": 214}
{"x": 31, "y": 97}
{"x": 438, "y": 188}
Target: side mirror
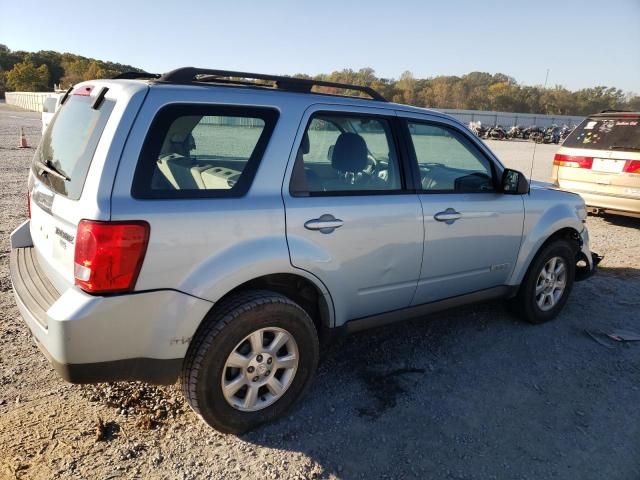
{"x": 514, "y": 182}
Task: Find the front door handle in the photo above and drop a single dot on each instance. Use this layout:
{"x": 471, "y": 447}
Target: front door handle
{"x": 448, "y": 216}
{"x": 327, "y": 223}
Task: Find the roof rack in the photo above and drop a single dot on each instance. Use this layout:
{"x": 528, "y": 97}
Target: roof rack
{"x": 135, "y": 75}
{"x": 301, "y": 85}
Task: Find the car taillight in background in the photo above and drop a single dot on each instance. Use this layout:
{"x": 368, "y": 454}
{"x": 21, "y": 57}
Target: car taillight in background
{"x": 109, "y": 255}
{"x": 572, "y": 161}
{"x": 632, "y": 166}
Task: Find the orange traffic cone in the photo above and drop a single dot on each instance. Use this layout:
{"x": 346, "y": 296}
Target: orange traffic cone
{"x": 23, "y": 139}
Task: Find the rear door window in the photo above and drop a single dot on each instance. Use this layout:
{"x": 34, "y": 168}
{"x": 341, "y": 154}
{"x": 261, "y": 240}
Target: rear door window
{"x": 346, "y": 154}
{"x": 606, "y": 133}
{"x": 195, "y": 151}
{"x": 69, "y": 143}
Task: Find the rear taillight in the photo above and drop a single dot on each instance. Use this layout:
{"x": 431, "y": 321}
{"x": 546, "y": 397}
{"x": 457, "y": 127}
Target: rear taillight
{"x": 572, "y": 161}
{"x": 632, "y": 166}
{"x": 29, "y": 204}
{"x": 109, "y": 255}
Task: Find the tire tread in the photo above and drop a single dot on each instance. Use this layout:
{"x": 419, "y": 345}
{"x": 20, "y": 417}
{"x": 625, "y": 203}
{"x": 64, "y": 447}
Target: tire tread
{"x": 220, "y": 317}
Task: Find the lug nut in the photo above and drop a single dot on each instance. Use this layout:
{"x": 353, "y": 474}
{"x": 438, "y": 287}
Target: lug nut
{"x": 255, "y": 379}
{"x": 250, "y": 369}
{"x": 259, "y": 358}
{"x": 269, "y": 360}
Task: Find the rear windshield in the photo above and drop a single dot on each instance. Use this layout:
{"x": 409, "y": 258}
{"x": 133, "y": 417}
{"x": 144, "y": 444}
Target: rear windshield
{"x": 622, "y": 133}
{"x": 69, "y": 143}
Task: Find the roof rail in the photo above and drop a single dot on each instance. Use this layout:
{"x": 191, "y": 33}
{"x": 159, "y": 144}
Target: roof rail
{"x": 301, "y": 85}
{"x": 135, "y": 75}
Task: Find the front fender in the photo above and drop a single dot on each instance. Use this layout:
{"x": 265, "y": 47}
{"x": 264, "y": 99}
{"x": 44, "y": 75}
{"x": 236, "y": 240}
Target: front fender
{"x": 542, "y": 221}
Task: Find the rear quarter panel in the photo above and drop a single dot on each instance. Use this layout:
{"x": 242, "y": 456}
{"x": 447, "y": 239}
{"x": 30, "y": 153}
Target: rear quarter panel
{"x": 207, "y": 247}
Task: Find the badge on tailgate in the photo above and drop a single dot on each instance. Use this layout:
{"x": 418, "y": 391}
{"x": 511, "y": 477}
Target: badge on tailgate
{"x": 61, "y": 233}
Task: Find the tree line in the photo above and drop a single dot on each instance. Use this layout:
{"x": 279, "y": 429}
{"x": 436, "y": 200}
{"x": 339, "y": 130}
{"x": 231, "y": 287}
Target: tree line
{"x": 486, "y": 91}
{"x": 40, "y": 71}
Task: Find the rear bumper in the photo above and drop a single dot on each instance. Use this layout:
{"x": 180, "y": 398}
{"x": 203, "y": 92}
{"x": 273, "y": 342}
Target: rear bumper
{"x": 88, "y": 339}
{"x": 613, "y": 202}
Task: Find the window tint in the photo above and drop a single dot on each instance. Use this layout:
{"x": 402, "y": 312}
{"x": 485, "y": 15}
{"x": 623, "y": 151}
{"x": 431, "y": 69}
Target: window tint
{"x": 345, "y": 153}
{"x": 604, "y": 133}
{"x": 69, "y": 143}
{"x": 196, "y": 151}
{"x": 449, "y": 162}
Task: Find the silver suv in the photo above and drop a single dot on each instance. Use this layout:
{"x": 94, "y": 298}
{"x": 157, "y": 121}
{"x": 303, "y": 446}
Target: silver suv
{"x": 213, "y": 226}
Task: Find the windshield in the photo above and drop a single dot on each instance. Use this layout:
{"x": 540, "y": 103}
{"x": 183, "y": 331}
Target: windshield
{"x": 68, "y": 145}
{"x": 606, "y": 133}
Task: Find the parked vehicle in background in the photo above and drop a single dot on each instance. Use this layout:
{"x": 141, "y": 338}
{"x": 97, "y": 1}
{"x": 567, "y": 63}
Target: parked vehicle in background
{"x": 515, "y": 131}
{"x": 478, "y": 129}
{"x": 565, "y": 131}
{"x": 205, "y": 226}
{"x": 531, "y": 130}
{"x": 496, "y": 133}
{"x": 551, "y": 135}
{"x": 49, "y": 108}
{"x": 600, "y": 160}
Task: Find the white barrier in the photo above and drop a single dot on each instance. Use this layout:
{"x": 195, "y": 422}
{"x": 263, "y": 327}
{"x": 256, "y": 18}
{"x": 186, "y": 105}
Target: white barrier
{"x": 28, "y": 100}
{"x": 508, "y": 119}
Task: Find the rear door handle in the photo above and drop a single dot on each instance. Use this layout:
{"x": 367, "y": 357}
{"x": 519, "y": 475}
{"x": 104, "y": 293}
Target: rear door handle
{"x": 327, "y": 223}
{"x": 448, "y": 216}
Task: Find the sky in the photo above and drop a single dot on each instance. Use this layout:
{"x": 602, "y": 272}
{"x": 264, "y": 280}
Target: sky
{"x": 582, "y": 43}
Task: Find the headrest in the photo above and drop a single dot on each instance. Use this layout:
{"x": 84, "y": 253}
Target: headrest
{"x": 349, "y": 153}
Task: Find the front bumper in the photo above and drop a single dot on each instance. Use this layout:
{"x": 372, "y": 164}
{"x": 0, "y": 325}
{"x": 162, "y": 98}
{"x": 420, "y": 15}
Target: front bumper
{"x": 587, "y": 261}
{"x": 585, "y": 271}
{"x": 88, "y": 339}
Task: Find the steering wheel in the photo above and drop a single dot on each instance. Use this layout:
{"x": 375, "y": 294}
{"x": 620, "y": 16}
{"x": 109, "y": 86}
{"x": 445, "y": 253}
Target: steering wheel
{"x": 371, "y": 167}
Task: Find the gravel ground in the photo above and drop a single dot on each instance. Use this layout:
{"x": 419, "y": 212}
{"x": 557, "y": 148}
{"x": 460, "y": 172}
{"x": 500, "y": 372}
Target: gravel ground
{"x": 470, "y": 394}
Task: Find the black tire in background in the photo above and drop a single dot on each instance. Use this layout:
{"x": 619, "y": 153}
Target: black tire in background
{"x": 524, "y": 304}
{"x": 233, "y": 319}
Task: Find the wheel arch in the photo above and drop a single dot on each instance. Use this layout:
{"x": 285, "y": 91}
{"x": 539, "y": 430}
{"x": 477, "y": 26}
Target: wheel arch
{"x": 560, "y": 221}
{"x": 311, "y": 296}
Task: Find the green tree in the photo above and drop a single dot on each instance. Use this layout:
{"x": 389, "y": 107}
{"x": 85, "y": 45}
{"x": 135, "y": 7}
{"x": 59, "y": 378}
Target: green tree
{"x": 633, "y": 102}
{"x": 3, "y": 83}
{"x": 26, "y": 77}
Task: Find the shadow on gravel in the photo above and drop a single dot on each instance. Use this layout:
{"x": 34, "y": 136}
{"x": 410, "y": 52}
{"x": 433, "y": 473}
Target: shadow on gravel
{"x": 621, "y": 221}
{"x": 619, "y": 272}
{"x": 473, "y": 393}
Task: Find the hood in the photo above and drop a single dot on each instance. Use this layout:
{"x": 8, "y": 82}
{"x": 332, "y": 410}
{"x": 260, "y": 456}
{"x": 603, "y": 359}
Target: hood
{"x": 538, "y": 185}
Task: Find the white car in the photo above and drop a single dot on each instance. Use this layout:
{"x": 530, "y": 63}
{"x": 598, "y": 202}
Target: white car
{"x": 49, "y": 108}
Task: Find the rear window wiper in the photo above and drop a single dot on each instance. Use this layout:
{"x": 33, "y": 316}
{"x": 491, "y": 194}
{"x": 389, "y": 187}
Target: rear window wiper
{"x": 51, "y": 169}
{"x": 624, "y": 147}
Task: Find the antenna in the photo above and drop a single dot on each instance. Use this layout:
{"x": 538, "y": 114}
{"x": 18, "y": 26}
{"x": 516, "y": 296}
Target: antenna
{"x": 535, "y": 144}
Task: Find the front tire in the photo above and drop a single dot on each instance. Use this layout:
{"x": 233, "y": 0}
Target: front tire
{"x": 547, "y": 284}
{"x": 254, "y": 356}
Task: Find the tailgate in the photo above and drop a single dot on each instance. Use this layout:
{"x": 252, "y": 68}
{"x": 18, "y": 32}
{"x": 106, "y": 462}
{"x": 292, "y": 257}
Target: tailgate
{"x": 73, "y": 169}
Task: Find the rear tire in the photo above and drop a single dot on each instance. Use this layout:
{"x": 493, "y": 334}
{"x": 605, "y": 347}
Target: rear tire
{"x": 239, "y": 345}
{"x": 547, "y": 283}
